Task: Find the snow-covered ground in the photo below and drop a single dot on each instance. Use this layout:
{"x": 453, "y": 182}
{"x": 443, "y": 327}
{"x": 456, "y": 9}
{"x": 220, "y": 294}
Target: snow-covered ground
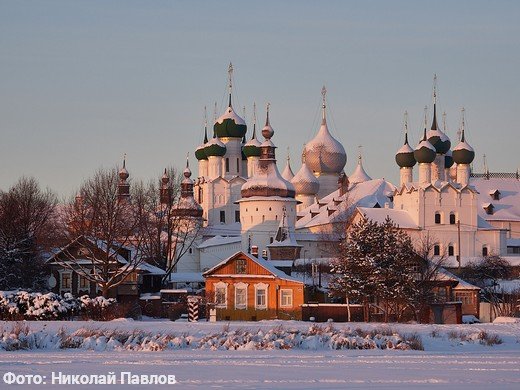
{"x": 453, "y": 358}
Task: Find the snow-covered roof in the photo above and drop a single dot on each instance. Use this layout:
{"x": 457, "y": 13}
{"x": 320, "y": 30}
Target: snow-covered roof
{"x": 335, "y": 208}
{"x": 443, "y": 274}
{"x": 219, "y": 240}
{"x": 463, "y": 145}
{"x": 231, "y": 114}
{"x": 305, "y": 183}
{"x": 266, "y": 264}
{"x": 507, "y": 208}
{"x": 287, "y": 173}
{"x": 400, "y": 217}
{"x": 150, "y": 269}
{"x": 359, "y": 175}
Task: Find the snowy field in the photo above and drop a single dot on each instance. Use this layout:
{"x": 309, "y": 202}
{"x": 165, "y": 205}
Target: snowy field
{"x": 452, "y": 358}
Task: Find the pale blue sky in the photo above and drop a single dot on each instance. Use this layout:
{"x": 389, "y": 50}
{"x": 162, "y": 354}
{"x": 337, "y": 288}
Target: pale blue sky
{"x": 82, "y": 82}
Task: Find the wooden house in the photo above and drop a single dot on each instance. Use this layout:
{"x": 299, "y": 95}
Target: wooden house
{"x": 244, "y": 287}
{"x": 68, "y": 264}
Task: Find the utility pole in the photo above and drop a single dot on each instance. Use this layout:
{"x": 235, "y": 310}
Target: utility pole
{"x": 458, "y": 235}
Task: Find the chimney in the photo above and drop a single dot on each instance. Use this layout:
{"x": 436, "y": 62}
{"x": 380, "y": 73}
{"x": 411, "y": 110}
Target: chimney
{"x": 254, "y": 250}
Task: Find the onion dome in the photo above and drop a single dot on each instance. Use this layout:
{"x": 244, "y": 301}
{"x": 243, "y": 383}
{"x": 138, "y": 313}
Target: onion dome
{"x": 305, "y": 183}
{"x": 187, "y": 206}
{"x": 359, "y": 175}
{"x": 230, "y": 124}
{"x": 215, "y": 147}
{"x": 123, "y": 173}
{"x": 424, "y": 152}
{"x": 463, "y": 153}
{"x": 448, "y": 159}
{"x": 287, "y": 173}
{"x": 324, "y": 153}
{"x": 436, "y": 136}
{"x": 199, "y": 152}
{"x": 267, "y": 180}
{"x": 252, "y": 147}
{"x": 404, "y": 156}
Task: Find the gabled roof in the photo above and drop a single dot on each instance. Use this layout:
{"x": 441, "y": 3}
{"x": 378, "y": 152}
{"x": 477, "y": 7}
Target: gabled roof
{"x": 219, "y": 240}
{"x": 507, "y": 208}
{"x": 400, "y": 217}
{"x": 261, "y": 262}
{"x": 443, "y": 274}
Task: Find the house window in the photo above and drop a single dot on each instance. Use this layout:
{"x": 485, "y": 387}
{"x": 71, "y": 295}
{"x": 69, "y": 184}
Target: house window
{"x": 437, "y": 218}
{"x": 240, "y": 266}
{"x": 452, "y": 219}
{"x": 436, "y": 250}
{"x": 84, "y": 283}
{"x": 484, "y": 251}
{"x": 286, "y": 298}
{"x": 261, "y": 296}
{"x": 237, "y": 215}
{"x": 66, "y": 281}
{"x": 227, "y": 164}
{"x": 221, "y": 295}
{"x": 222, "y": 216}
{"x": 451, "y": 250}
{"x": 465, "y": 297}
{"x": 241, "y": 296}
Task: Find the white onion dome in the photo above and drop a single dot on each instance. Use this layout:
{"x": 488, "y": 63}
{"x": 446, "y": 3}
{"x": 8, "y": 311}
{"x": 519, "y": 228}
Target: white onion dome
{"x": 252, "y": 147}
{"x": 287, "y": 173}
{"x": 436, "y": 136}
{"x": 199, "y": 152}
{"x": 215, "y": 147}
{"x": 463, "y": 153}
{"x": 267, "y": 180}
{"x": 405, "y": 155}
{"x": 324, "y": 153}
{"x": 448, "y": 159}
{"x": 425, "y": 153}
{"x": 359, "y": 175}
{"x": 305, "y": 183}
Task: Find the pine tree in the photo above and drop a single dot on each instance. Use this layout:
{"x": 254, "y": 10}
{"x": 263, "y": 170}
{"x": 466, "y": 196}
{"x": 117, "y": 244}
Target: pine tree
{"x": 375, "y": 264}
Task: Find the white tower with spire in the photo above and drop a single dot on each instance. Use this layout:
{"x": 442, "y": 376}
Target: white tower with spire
{"x": 359, "y": 175}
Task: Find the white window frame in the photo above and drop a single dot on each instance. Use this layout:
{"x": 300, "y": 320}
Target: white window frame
{"x": 217, "y": 286}
{"x": 290, "y": 291}
{"x": 238, "y": 287}
{"x": 67, "y": 289}
{"x": 80, "y": 278}
{"x": 264, "y": 287}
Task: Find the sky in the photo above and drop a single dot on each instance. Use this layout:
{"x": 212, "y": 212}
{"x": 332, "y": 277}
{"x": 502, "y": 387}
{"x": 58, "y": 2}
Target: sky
{"x": 84, "y": 82}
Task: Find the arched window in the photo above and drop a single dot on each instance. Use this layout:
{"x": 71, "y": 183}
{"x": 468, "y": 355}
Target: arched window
{"x": 437, "y": 218}
{"x": 452, "y": 219}
{"x": 484, "y": 251}
{"x": 238, "y": 165}
{"x": 451, "y": 250}
{"x": 227, "y": 164}
{"x": 436, "y": 250}
{"x": 263, "y": 218}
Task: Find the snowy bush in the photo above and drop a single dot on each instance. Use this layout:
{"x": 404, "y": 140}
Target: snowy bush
{"x": 22, "y": 305}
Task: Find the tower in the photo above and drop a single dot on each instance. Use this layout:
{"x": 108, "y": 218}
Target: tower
{"x": 405, "y": 157}
{"x": 123, "y": 187}
{"x": 359, "y": 175}
{"x": 463, "y": 155}
{"x": 425, "y": 154}
{"x": 306, "y": 185}
{"x": 252, "y": 148}
{"x": 325, "y": 156}
{"x": 266, "y": 196}
{"x": 200, "y": 154}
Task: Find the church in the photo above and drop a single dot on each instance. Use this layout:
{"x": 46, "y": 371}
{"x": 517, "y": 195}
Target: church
{"x": 248, "y": 205}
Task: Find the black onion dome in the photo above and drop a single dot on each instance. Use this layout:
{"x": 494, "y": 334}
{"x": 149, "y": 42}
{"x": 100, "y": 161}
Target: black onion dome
{"x": 436, "y": 136}
{"x": 424, "y": 153}
{"x": 463, "y": 153}
{"x": 404, "y": 156}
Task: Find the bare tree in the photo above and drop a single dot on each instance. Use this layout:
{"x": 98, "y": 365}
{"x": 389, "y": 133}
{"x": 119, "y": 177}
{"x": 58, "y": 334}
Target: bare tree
{"x": 28, "y": 227}
{"x": 105, "y": 214}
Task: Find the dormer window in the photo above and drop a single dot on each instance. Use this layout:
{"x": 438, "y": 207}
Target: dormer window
{"x": 489, "y": 208}
{"x": 495, "y": 194}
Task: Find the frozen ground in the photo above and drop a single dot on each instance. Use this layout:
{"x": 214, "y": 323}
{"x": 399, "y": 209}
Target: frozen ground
{"x": 447, "y": 362}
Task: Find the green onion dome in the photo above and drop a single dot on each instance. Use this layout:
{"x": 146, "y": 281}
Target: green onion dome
{"x": 199, "y": 152}
{"x": 230, "y": 125}
{"x": 463, "y": 153}
{"x": 252, "y": 147}
{"x": 424, "y": 153}
{"x": 215, "y": 147}
{"x": 405, "y": 155}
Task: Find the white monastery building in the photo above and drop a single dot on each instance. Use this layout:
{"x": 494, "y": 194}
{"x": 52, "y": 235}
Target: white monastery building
{"x": 248, "y": 205}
